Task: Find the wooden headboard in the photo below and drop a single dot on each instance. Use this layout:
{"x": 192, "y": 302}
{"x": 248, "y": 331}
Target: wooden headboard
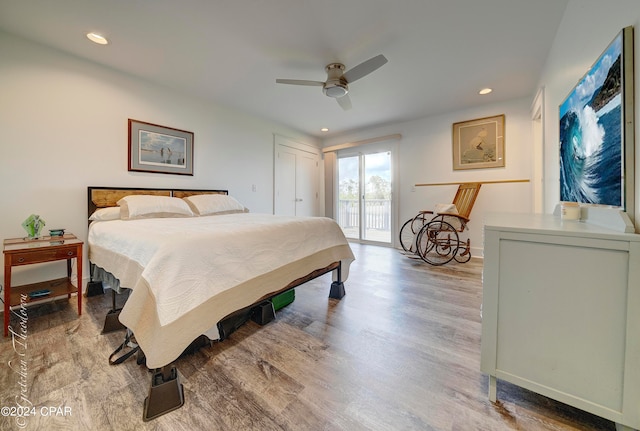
{"x": 103, "y": 197}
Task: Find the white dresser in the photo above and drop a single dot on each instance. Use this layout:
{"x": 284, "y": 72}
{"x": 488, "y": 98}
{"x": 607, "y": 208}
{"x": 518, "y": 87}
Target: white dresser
{"x": 561, "y": 312}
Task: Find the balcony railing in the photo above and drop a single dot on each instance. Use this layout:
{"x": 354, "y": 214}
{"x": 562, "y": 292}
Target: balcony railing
{"x": 377, "y": 214}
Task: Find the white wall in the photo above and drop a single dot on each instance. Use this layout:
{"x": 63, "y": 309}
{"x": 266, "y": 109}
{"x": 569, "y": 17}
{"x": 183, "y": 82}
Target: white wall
{"x": 63, "y": 127}
{"x": 587, "y": 28}
{"x": 425, "y": 156}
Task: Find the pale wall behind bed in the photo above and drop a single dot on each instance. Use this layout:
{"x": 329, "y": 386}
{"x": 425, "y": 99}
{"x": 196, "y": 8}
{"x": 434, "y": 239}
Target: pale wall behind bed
{"x": 63, "y": 127}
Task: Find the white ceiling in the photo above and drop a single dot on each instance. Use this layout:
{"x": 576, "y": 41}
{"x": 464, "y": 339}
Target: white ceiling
{"x": 440, "y": 52}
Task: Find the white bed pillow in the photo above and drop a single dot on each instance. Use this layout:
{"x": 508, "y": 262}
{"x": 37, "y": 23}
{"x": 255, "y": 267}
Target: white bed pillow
{"x": 104, "y": 214}
{"x": 217, "y": 204}
{"x": 148, "y": 206}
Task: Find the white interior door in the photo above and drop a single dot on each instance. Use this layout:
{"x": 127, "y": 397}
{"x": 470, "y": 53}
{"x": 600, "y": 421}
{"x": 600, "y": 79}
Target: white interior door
{"x": 538, "y": 152}
{"x": 285, "y": 202}
{"x": 296, "y": 179}
{"x": 306, "y": 193}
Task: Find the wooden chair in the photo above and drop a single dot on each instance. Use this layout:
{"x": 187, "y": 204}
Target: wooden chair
{"x": 465, "y": 198}
{"x": 433, "y": 236}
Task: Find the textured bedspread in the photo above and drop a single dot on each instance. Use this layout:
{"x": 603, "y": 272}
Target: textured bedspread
{"x": 189, "y": 273}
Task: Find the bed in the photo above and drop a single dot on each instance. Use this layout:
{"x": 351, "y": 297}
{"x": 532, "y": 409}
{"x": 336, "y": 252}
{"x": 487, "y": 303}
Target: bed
{"x": 187, "y": 273}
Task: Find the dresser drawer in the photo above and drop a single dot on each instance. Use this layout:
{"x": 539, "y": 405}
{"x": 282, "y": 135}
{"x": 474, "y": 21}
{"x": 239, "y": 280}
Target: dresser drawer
{"x": 27, "y": 257}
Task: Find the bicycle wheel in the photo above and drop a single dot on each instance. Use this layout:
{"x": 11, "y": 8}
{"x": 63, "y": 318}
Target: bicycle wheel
{"x": 437, "y": 242}
{"x": 408, "y": 232}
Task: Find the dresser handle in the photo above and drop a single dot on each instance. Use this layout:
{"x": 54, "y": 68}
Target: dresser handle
{"x": 20, "y": 259}
{"x": 69, "y": 253}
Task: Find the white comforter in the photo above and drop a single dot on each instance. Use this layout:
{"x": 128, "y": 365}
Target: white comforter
{"x": 189, "y": 273}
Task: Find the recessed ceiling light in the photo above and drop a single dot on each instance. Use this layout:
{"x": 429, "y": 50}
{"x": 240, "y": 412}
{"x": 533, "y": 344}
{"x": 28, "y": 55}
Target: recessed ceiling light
{"x": 485, "y": 91}
{"x": 324, "y": 129}
{"x": 97, "y": 38}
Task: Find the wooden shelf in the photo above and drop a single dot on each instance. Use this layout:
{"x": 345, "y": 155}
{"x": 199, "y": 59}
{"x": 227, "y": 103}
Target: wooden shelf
{"x": 58, "y": 287}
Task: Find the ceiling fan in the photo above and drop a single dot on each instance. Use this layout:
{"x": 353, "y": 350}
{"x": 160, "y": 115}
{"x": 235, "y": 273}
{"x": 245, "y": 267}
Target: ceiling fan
{"x": 337, "y": 83}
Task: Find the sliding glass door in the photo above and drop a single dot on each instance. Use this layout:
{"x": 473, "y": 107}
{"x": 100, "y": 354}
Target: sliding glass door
{"x": 365, "y": 195}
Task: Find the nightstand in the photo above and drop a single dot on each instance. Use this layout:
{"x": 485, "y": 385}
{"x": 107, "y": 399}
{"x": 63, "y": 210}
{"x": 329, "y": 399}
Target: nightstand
{"x": 23, "y": 251}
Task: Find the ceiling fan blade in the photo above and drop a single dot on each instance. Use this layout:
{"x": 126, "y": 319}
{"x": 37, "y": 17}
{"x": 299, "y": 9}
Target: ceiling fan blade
{"x": 300, "y": 82}
{"x": 365, "y": 68}
{"x": 344, "y": 102}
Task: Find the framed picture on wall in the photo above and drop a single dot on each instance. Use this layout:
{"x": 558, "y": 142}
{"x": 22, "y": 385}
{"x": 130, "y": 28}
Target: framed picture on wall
{"x": 479, "y": 144}
{"x": 597, "y": 131}
{"x": 159, "y": 149}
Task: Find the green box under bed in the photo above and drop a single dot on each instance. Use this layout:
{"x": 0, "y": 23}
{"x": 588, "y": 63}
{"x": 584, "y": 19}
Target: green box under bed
{"x": 283, "y": 299}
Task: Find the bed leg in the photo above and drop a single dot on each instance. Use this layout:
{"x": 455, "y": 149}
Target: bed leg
{"x": 94, "y": 288}
{"x": 111, "y": 322}
{"x": 263, "y": 313}
{"x": 166, "y": 393}
{"x": 337, "y": 290}
{"x": 337, "y": 287}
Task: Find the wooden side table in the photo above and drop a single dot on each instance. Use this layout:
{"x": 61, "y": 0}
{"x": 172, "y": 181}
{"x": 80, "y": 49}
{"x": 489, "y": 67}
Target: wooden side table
{"x": 21, "y": 251}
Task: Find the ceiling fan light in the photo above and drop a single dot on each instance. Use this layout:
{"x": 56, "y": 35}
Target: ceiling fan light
{"x": 336, "y": 91}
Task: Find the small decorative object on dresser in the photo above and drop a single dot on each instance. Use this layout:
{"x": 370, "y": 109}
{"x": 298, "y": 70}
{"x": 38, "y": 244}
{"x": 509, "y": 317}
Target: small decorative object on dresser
{"x": 56, "y": 232}
{"x": 27, "y": 251}
{"x": 33, "y": 225}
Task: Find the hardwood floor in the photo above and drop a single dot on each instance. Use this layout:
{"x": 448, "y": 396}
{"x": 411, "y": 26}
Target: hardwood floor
{"x": 401, "y": 351}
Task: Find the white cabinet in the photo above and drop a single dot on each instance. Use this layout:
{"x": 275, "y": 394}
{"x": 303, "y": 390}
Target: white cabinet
{"x": 561, "y": 312}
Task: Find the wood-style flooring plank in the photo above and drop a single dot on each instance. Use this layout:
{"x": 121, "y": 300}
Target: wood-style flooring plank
{"x": 401, "y": 351}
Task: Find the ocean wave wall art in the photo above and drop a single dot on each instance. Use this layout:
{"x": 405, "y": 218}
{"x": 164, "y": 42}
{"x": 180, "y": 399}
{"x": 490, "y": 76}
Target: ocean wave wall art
{"x": 591, "y": 137}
